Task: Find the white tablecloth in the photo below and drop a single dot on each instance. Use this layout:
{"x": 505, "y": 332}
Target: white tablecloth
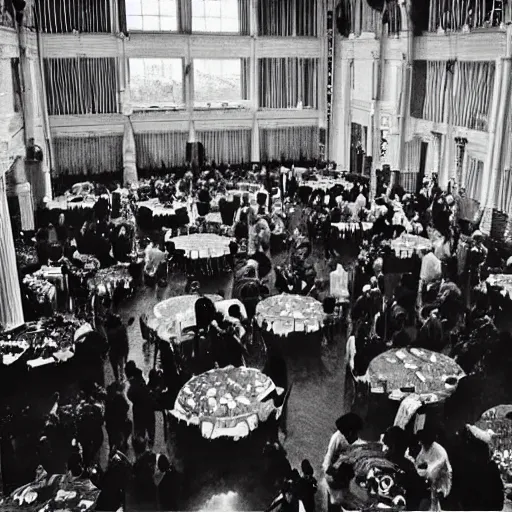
{"x": 201, "y": 245}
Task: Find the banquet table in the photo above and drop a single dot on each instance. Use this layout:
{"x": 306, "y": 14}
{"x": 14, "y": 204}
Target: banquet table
{"x": 287, "y": 313}
{"x": 503, "y": 281}
{"x": 111, "y": 278}
{"x": 226, "y": 402}
{"x": 173, "y": 315}
{"x": 201, "y": 245}
{"x": 352, "y": 227}
{"x": 400, "y": 372}
{"x": 406, "y": 245}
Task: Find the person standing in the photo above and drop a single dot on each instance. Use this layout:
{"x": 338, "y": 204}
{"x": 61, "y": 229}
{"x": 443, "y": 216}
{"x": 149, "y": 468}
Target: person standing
{"x": 142, "y": 407}
{"x": 117, "y": 337}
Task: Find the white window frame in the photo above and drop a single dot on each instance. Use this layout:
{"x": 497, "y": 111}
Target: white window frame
{"x": 159, "y": 16}
{"x": 205, "y": 17}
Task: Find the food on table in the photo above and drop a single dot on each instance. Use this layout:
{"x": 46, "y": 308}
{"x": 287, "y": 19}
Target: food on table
{"x": 226, "y": 392}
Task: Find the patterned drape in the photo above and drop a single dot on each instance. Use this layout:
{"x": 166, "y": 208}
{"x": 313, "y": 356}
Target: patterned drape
{"x": 452, "y": 15}
{"x": 290, "y": 143}
{"x": 286, "y": 82}
{"x": 226, "y": 146}
{"x": 287, "y": 18}
{"x": 412, "y": 155}
{"x": 472, "y": 92}
{"x": 81, "y": 86}
{"x": 61, "y": 16}
{"x": 471, "y": 87}
{"x": 474, "y": 174}
{"x": 88, "y": 154}
{"x": 163, "y": 149}
{"x": 244, "y": 15}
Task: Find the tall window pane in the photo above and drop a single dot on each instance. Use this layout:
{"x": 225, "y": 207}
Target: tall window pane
{"x": 156, "y": 82}
{"x": 152, "y": 15}
{"x": 217, "y": 81}
{"x": 215, "y": 16}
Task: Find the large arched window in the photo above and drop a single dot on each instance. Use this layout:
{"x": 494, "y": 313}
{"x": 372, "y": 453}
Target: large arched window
{"x": 152, "y": 15}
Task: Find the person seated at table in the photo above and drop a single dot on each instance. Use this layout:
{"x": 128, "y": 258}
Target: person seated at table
{"x": 288, "y": 499}
{"x": 362, "y": 310}
{"x": 396, "y": 442}
{"x": 102, "y": 251}
{"x": 431, "y": 335}
{"x": 401, "y": 338}
{"x": 433, "y": 465}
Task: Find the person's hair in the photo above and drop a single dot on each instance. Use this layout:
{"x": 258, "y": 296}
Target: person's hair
{"x": 349, "y": 422}
{"x": 427, "y": 436}
{"x": 163, "y": 464}
{"x": 130, "y": 369}
{"x": 396, "y": 439}
{"x": 307, "y": 468}
{"x": 234, "y": 311}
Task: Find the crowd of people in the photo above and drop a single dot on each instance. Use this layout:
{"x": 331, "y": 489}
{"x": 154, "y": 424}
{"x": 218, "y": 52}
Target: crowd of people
{"x": 436, "y": 303}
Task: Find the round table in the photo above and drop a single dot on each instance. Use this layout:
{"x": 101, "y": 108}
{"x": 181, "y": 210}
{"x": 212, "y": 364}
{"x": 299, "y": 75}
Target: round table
{"x": 287, "y": 313}
{"x": 175, "y": 314}
{"x": 201, "y": 245}
{"x": 421, "y": 369}
{"x": 226, "y": 402}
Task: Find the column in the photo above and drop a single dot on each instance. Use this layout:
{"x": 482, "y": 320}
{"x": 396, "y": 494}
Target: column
{"x": 460, "y": 150}
{"x": 255, "y": 142}
{"x": 11, "y": 309}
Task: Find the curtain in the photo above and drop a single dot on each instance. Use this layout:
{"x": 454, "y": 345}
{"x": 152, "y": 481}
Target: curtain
{"x": 226, "y": 146}
{"x": 88, "y": 154}
{"x": 276, "y": 17}
{"x": 306, "y": 20}
{"x": 163, "y": 149}
{"x": 452, "y": 15}
{"x": 412, "y": 155}
{"x": 435, "y": 91}
{"x": 185, "y": 16}
{"x": 392, "y": 17}
{"x": 79, "y": 86}
{"x": 121, "y": 14}
{"x": 62, "y": 16}
{"x": 472, "y": 92}
{"x": 245, "y": 65}
{"x": 474, "y": 175}
{"x": 244, "y": 15}
{"x": 286, "y": 82}
{"x": 418, "y": 88}
{"x": 371, "y": 19}
{"x": 294, "y": 143}
{"x": 409, "y": 181}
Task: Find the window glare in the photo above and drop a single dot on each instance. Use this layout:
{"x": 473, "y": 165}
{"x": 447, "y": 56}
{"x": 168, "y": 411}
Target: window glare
{"x": 215, "y": 16}
{"x": 217, "y": 80}
{"x": 152, "y": 15}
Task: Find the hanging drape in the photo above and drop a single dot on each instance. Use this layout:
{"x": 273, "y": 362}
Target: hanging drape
{"x": 245, "y": 77}
{"x": 61, "y": 16}
{"x": 163, "y": 149}
{"x": 286, "y": 82}
{"x": 88, "y": 154}
{"x": 185, "y": 16}
{"x": 226, "y": 146}
{"x": 276, "y": 17}
{"x": 412, "y": 155}
{"x": 504, "y": 202}
{"x": 452, "y": 15}
{"x": 306, "y": 18}
{"x": 297, "y": 143}
{"x": 121, "y": 14}
{"x": 474, "y": 175}
{"x": 129, "y": 155}
{"x": 371, "y": 19}
{"x": 81, "y": 86}
{"x": 435, "y": 91}
{"x": 244, "y": 15}
{"x": 473, "y": 86}
{"x": 418, "y": 88}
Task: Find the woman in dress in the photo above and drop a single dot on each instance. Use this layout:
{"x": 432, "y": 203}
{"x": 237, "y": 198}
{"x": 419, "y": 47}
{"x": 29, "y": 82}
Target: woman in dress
{"x": 432, "y": 463}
